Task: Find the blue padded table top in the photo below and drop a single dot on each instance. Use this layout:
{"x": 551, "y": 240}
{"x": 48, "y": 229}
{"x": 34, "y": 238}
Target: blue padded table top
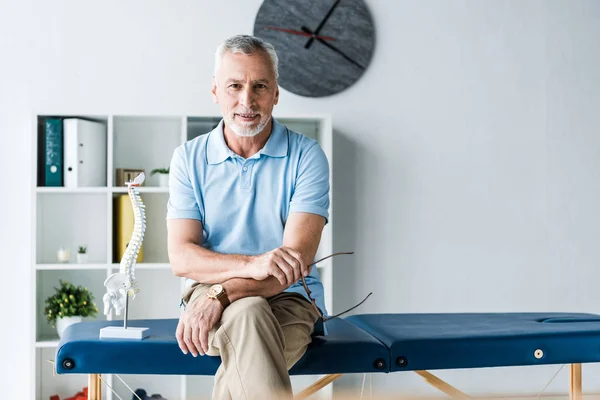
{"x": 346, "y": 349}
{"x": 477, "y": 340}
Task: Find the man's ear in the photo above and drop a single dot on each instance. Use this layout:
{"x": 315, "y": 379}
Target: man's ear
{"x": 214, "y": 91}
{"x": 276, "y": 95}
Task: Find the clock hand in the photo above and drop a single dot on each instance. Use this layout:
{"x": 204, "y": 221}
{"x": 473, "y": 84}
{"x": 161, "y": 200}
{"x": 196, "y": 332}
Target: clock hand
{"x": 309, "y": 43}
{"x": 308, "y": 31}
{"x": 295, "y": 32}
{"x": 340, "y": 53}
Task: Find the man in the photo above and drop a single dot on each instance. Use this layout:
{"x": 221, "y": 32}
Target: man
{"x": 248, "y": 202}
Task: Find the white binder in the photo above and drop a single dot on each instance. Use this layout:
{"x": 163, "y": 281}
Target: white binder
{"x": 84, "y": 147}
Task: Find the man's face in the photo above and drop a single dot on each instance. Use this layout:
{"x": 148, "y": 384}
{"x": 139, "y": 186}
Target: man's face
{"x": 246, "y": 90}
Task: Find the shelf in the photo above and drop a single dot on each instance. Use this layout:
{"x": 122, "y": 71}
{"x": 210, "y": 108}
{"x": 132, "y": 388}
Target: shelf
{"x": 139, "y": 266}
{"x": 119, "y": 189}
{"x": 74, "y": 267}
{"x": 47, "y": 344}
{"x": 70, "y": 267}
{"x": 63, "y": 190}
{"x": 142, "y": 189}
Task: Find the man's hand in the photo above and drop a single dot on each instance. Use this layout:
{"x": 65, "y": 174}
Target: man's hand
{"x": 283, "y": 263}
{"x": 195, "y": 323}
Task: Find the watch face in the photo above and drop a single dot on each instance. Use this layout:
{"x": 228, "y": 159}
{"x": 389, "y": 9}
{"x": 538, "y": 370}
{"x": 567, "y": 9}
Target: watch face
{"x": 324, "y": 46}
{"x": 215, "y": 290}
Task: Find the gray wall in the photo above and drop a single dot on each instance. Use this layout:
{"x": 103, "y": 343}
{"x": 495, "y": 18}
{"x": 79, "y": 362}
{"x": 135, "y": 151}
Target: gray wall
{"x": 466, "y": 158}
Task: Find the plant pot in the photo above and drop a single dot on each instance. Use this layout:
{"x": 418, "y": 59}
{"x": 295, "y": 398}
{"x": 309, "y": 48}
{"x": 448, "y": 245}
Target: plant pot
{"x": 163, "y": 180}
{"x": 63, "y": 323}
{"x": 82, "y": 258}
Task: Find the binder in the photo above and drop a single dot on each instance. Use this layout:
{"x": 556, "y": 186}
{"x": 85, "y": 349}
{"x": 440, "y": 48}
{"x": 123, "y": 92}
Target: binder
{"x": 123, "y": 222}
{"x": 85, "y": 150}
{"x": 51, "y": 146}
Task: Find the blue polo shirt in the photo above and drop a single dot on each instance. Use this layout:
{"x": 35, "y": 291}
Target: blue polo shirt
{"x": 243, "y": 204}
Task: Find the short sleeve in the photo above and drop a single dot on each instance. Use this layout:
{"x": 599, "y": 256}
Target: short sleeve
{"x": 311, "y": 192}
{"x": 182, "y": 200}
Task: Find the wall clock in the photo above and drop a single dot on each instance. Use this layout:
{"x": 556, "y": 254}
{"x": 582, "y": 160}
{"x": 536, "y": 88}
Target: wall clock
{"x": 324, "y": 46}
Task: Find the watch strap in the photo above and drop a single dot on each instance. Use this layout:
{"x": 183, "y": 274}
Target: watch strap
{"x": 224, "y": 299}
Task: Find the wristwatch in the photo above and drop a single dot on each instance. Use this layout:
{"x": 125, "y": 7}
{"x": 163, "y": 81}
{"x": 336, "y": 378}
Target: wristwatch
{"x": 217, "y": 292}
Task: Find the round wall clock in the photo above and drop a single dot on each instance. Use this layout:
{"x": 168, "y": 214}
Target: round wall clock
{"x": 324, "y": 46}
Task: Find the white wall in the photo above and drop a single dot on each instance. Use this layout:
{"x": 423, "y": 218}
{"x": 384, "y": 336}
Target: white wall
{"x": 467, "y": 156}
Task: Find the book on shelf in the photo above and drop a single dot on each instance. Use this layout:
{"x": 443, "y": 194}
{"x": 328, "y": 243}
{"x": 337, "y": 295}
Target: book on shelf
{"x": 123, "y": 222}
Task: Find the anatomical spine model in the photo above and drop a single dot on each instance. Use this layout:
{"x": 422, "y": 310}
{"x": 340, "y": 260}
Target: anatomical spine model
{"x": 122, "y": 285}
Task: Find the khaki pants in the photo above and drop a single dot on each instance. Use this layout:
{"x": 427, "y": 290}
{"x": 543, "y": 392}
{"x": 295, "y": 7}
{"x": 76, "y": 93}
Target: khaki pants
{"x": 258, "y": 340}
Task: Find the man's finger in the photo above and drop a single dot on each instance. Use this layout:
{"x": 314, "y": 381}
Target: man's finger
{"x": 294, "y": 254}
{"x": 277, "y": 274}
{"x": 295, "y": 265}
{"x": 196, "y": 332}
{"x": 298, "y": 257}
{"x": 287, "y": 270}
{"x": 179, "y": 336}
{"x": 187, "y": 337}
{"x": 204, "y": 338}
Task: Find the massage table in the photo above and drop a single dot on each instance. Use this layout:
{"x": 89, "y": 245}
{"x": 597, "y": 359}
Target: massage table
{"x": 364, "y": 343}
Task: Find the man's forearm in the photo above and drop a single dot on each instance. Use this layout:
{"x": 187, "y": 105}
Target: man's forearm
{"x": 202, "y": 265}
{"x": 238, "y": 288}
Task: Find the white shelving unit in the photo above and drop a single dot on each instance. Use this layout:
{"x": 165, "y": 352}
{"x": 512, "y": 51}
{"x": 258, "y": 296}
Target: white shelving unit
{"x": 84, "y": 216}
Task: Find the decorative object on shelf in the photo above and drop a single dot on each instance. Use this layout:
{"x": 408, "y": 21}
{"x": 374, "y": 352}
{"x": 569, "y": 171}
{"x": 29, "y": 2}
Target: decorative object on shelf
{"x": 323, "y": 46}
{"x": 82, "y": 256}
{"x": 163, "y": 176}
{"x": 68, "y": 305}
{"x": 63, "y": 255}
{"x": 124, "y": 175}
{"x": 122, "y": 285}
{"x": 143, "y": 395}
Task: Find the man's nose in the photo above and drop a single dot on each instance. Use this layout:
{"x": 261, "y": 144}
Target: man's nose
{"x": 246, "y": 97}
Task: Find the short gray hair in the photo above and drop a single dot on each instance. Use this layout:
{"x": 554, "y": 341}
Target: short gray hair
{"x": 247, "y": 45}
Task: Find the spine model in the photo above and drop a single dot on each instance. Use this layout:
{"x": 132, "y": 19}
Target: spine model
{"x": 122, "y": 285}
{"x": 129, "y": 259}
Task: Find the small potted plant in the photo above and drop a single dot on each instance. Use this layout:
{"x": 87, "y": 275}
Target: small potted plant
{"x": 82, "y": 256}
{"x": 69, "y": 305}
{"x": 163, "y": 176}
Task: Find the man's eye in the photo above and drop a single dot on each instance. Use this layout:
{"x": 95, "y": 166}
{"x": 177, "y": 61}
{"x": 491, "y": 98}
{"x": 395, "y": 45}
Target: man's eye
{"x": 261, "y": 86}
{"x": 235, "y": 86}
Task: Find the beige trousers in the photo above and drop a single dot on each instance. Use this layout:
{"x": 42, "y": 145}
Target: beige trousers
{"x": 258, "y": 340}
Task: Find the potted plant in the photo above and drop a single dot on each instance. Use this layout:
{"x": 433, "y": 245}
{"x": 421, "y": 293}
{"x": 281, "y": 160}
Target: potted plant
{"x": 69, "y": 305}
{"x": 163, "y": 176}
{"x": 82, "y": 256}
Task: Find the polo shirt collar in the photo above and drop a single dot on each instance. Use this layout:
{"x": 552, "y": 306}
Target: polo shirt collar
{"x": 277, "y": 145}
{"x": 216, "y": 148}
{"x": 218, "y": 151}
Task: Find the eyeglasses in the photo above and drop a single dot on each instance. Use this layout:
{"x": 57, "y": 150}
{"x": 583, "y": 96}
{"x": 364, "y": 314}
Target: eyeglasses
{"x": 314, "y": 304}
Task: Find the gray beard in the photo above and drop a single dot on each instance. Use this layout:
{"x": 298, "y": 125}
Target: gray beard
{"x": 247, "y": 131}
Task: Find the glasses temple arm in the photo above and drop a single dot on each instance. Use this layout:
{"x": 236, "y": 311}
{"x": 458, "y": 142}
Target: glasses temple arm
{"x": 331, "y": 255}
{"x": 350, "y": 309}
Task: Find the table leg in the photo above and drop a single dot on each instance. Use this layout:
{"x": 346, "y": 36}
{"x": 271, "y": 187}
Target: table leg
{"x": 575, "y": 389}
{"x": 94, "y": 387}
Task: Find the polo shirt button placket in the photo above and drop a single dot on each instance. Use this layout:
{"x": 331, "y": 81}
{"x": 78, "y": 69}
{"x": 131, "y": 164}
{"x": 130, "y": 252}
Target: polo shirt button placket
{"x": 246, "y": 176}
